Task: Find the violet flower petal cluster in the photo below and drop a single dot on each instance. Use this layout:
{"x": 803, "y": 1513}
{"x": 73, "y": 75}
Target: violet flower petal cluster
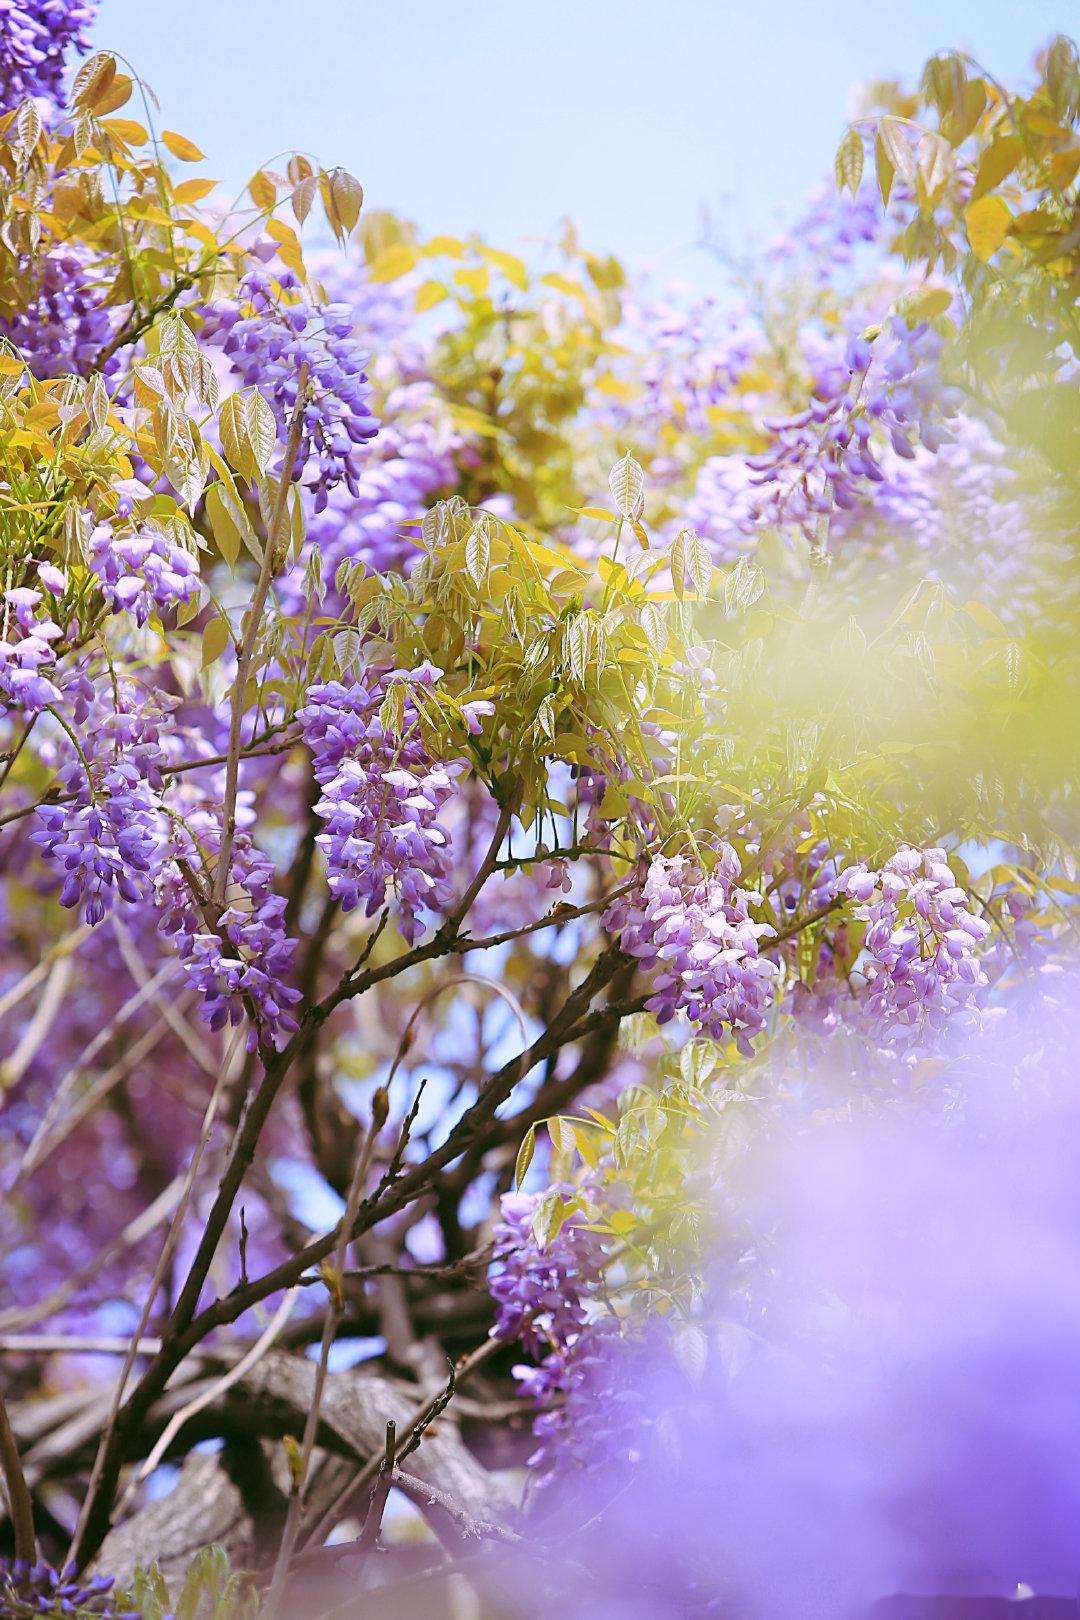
{"x": 382, "y": 798}
{"x": 142, "y": 573}
{"x": 106, "y": 837}
{"x": 540, "y": 1297}
{"x": 922, "y": 970}
{"x": 65, "y": 325}
{"x": 28, "y": 1591}
{"x": 268, "y": 333}
{"x": 885, "y": 397}
{"x": 692, "y": 931}
{"x": 35, "y": 38}
{"x": 25, "y": 646}
{"x": 241, "y": 959}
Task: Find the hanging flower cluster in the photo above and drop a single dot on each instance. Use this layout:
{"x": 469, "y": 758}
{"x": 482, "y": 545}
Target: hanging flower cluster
{"x": 35, "y": 37}
{"x": 921, "y": 942}
{"x": 692, "y": 932}
{"x": 826, "y": 455}
{"x": 142, "y": 573}
{"x": 381, "y": 798}
{"x": 269, "y": 332}
{"x": 239, "y": 959}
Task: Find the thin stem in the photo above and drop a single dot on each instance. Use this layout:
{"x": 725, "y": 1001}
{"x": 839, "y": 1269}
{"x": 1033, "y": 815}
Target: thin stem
{"x": 18, "y": 1493}
{"x": 251, "y": 634}
{"x": 330, "y": 1325}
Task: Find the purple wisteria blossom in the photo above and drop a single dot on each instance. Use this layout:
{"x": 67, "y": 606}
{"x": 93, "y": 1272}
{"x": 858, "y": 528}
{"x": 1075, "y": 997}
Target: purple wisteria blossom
{"x": 105, "y": 835}
{"x": 269, "y": 331}
{"x": 25, "y": 648}
{"x": 239, "y": 959}
{"x": 541, "y": 1297}
{"x": 922, "y": 970}
{"x": 142, "y": 573}
{"x": 693, "y": 933}
{"x": 888, "y": 393}
{"x": 28, "y": 1591}
{"x": 35, "y": 38}
{"x": 65, "y": 325}
{"x": 381, "y": 799}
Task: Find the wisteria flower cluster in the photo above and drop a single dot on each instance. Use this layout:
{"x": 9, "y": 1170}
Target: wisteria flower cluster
{"x": 238, "y": 959}
{"x": 25, "y": 649}
{"x": 828, "y": 454}
{"x": 144, "y": 572}
{"x": 269, "y": 332}
{"x": 65, "y": 326}
{"x": 381, "y": 799}
{"x": 35, "y": 38}
{"x": 541, "y": 1297}
{"x": 922, "y": 970}
{"x": 693, "y": 933}
{"x": 28, "y": 1591}
{"x": 105, "y": 835}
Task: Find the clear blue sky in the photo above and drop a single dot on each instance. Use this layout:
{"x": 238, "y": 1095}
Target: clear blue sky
{"x": 625, "y": 114}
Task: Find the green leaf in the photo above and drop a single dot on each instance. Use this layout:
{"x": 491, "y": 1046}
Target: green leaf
{"x": 561, "y": 1133}
{"x": 988, "y": 222}
{"x": 654, "y": 625}
{"x": 698, "y": 562}
{"x": 884, "y": 169}
{"x": 181, "y": 147}
{"x": 478, "y": 550}
{"x": 897, "y": 145}
{"x": 743, "y": 586}
{"x": 997, "y": 162}
{"x": 230, "y": 524}
{"x": 215, "y": 639}
{"x": 393, "y": 262}
{"x": 627, "y": 484}
{"x": 549, "y": 1218}
{"x": 849, "y": 161}
{"x": 524, "y": 1156}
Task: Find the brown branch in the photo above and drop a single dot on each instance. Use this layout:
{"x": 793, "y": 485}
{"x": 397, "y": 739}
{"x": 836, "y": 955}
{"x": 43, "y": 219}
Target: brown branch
{"x": 18, "y": 1493}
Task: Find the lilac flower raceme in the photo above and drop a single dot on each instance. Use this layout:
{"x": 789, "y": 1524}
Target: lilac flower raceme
{"x": 241, "y": 958}
{"x": 29, "y": 1591}
{"x": 65, "y": 325}
{"x": 541, "y": 1296}
{"x": 692, "y": 931}
{"x": 825, "y": 456}
{"x": 142, "y": 573}
{"x": 105, "y": 836}
{"x": 268, "y": 333}
{"x": 922, "y": 972}
{"x": 381, "y": 800}
{"x": 35, "y": 38}
{"x": 25, "y": 647}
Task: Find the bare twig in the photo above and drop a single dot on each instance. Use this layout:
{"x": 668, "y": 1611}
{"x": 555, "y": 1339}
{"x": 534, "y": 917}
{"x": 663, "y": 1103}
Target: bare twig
{"x": 218, "y": 1387}
{"x": 373, "y": 1518}
{"x": 18, "y": 1494}
{"x": 291, "y": 1531}
{"x": 98, "y": 1472}
{"x": 411, "y": 1435}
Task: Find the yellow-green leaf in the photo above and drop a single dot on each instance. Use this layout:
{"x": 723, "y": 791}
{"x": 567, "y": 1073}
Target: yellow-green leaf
{"x": 193, "y": 191}
{"x": 430, "y": 294}
{"x": 215, "y": 639}
{"x": 511, "y": 266}
{"x": 393, "y": 262}
{"x": 525, "y": 1155}
{"x": 999, "y": 160}
{"x": 181, "y": 147}
{"x": 988, "y": 222}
